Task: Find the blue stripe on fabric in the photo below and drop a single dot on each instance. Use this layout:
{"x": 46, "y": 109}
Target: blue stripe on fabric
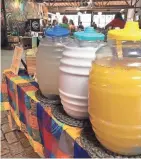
{"x": 11, "y": 86}
{"x": 27, "y": 102}
{"x": 19, "y": 92}
{"x": 35, "y": 84}
{"x": 40, "y": 111}
{"x": 56, "y": 130}
{"x": 22, "y": 117}
{"x": 47, "y": 121}
{"x": 79, "y": 152}
{"x": 22, "y": 72}
{"x": 1, "y": 97}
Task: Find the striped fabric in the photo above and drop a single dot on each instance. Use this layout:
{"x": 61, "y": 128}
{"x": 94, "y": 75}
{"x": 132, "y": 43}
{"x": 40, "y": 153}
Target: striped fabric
{"x": 49, "y": 137}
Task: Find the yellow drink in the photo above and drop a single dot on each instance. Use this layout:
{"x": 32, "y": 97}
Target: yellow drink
{"x": 115, "y": 104}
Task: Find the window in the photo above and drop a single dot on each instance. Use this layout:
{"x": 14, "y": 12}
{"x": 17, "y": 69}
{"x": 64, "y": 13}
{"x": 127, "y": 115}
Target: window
{"x": 86, "y": 19}
{"x": 102, "y": 20}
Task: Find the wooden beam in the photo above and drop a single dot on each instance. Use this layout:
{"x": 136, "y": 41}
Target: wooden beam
{"x": 88, "y": 11}
{"x": 75, "y": 1}
{"x": 61, "y": 1}
{"x": 127, "y": 2}
{"x": 136, "y": 2}
{"x": 97, "y": 7}
{"x": 96, "y": 2}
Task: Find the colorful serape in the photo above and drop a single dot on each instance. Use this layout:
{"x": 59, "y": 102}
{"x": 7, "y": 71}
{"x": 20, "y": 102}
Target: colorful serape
{"x": 49, "y": 137}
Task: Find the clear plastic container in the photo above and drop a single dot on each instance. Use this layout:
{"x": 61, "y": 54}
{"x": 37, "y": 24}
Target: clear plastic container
{"x": 48, "y": 60}
{"x": 115, "y": 91}
{"x": 74, "y": 71}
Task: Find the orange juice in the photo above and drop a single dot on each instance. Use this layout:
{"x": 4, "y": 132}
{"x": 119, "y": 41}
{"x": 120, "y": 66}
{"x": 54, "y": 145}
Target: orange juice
{"x": 115, "y": 104}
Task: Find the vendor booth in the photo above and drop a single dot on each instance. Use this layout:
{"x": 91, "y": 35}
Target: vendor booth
{"x": 78, "y": 94}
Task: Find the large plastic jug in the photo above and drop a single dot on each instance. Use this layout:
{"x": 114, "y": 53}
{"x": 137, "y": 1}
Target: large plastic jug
{"x": 48, "y": 60}
{"x": 74, "y": 72}
{"x": 115, "y": 91}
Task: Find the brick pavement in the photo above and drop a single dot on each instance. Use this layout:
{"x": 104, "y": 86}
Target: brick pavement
{"x": 14, "y": 144}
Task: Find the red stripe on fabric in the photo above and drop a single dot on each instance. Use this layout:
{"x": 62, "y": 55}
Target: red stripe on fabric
{"x": 51, "y": 144}
{"x": 22, "y": 107}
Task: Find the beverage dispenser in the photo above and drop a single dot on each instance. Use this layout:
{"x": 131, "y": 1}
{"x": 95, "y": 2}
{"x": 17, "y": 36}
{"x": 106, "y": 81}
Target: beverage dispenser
{"x": 74, "y": 71}
{"x": 115, "y": 91}
{"x": 48, "y": 60}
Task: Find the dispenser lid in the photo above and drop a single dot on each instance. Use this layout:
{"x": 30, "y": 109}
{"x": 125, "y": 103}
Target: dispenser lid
{"x": 89, "y": 34}
{"x": 131, "y": 32}
{"x": 57, "y": 31}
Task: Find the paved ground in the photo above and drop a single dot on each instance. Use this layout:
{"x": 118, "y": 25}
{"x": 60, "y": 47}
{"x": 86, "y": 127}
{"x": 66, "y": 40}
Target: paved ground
{"x": 14, "y": 144}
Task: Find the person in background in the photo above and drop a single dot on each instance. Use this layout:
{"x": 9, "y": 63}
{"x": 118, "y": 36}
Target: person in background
{"x": 118, "y": 21}
{"x": 54, "y": 23}
{"x": 71, "y": 26}
{"x": 80, "y": 27}
{"x": 64, "y": 22}
{"x": 94, "y": 25}
{"x": 49, "y": 24}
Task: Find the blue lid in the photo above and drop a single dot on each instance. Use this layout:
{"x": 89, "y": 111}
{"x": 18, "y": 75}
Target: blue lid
{"x": 89, "y": 34}
{"x": 57, "y": 31}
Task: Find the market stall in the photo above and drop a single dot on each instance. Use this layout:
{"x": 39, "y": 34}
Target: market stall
{"x": 48, "y": 136}
{"x": 73, "y": 98}
{"x": 22, "y": 19}
{"x": 45, "y": 124}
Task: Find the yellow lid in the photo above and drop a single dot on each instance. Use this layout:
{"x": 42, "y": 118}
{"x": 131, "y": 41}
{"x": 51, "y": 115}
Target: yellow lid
{"x": 131, "y": 32}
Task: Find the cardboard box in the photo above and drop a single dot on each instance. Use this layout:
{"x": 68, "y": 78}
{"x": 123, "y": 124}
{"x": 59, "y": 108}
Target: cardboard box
{"x": 31, "y": 60}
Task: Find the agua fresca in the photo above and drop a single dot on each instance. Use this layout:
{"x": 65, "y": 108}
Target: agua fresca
{"x": 115, "y": 98}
